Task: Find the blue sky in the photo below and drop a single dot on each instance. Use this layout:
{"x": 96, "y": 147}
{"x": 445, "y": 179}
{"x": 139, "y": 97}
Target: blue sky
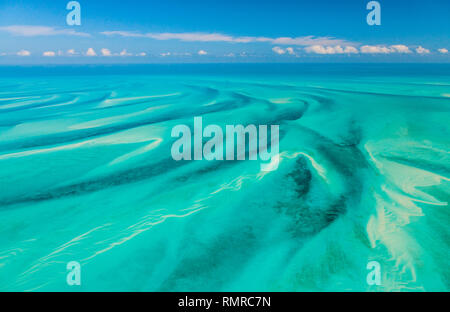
{"x": 135, "y": 31}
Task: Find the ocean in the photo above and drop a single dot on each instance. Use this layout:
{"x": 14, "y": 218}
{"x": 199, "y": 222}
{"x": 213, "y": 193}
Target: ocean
{"x": 86, "y": 175}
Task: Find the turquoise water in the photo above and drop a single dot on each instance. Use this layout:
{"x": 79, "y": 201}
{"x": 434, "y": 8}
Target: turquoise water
{"x": 86, "y": 175}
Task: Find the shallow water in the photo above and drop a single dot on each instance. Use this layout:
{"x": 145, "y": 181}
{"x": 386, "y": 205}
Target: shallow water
{"x": 86, "y": 175}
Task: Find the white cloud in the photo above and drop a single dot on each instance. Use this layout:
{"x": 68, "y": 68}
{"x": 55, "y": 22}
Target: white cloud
{"x": 191, "y": 37}
{"x": 49, "y": 54}
{"x": 422, "y": 50}
{"x": 319, "y": 49}
{"x": 309, "y": 41}
{"x": 443, "y": 51}
{"x": 278, "y": 50}
{"x": 125, "y": 53}
{"x": 91, "y": 52}
{"x": 71, "y": 52}
{"x": 217, "y": 37}
{"x": 122, "y": 33}
{"x": 141, "y": 54}
{"x": 106, "y": 52}
{"x": 338, "y": 49}
{"x": 351, "y": 50}
{"x": 202, "y": 52}
{"x": 203, "y": 37}
{"x": 382, "y": 49}
{"x": 23, "y": 53}
{"x": 400, "y": 48}
{"x": 375, "y": 49}
{"x": 176, "y": 54}
{"x": 32, "y": 31}
{"x": 281, "y": 51}
{"x": 290, "y": 51}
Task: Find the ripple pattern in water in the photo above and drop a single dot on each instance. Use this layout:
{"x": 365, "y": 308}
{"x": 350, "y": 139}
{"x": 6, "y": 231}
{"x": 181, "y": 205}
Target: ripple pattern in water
{"x": 86, "y": 174}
